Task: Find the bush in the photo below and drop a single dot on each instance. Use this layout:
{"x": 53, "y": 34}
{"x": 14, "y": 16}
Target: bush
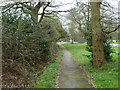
{"x": 28, "y": 44}
{"x": 24, "y": 39}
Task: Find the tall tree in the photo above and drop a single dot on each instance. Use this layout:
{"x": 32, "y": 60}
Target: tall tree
{"x": 97, "y": 38}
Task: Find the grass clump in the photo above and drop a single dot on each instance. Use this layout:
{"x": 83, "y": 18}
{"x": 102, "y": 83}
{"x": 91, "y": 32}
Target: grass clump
{"x": 48, "y": 78}
{"x": 105, "y": 76}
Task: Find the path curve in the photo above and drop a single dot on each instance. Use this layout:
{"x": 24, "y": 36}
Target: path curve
{"x": 71, "y": 76}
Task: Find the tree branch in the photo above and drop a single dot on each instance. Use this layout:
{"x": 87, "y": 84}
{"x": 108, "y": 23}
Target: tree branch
{"x": 8, "y": 8}
{"x": 44, "y": 11}
{"x": 38, "y": 6}
{"x": 27, "y": 6}
{"x": 113, "y": 30}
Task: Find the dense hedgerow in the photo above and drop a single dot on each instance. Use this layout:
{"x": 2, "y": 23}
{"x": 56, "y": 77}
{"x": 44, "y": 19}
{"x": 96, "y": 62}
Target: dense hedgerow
{"x": 27, "y": 44}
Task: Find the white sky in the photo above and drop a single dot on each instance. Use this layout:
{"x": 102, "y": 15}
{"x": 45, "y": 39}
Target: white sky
{"x": 114, "y": 3}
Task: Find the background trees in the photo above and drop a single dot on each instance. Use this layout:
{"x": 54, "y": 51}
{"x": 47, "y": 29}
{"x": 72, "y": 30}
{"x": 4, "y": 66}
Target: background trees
{"x": 82, "y": 18}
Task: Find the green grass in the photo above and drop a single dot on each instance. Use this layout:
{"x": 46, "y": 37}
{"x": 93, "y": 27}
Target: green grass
{"x": 104, "y": 77}
{"x": 48, "y": 78}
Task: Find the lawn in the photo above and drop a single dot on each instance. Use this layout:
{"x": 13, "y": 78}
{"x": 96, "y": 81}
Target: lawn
{"x": 48, "y": 78}
{"x": 104, "y": 77}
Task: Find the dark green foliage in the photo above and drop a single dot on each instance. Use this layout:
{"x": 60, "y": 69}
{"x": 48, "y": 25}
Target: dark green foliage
{"x": 107, "y": 49}
{"x": 27, "y": 45}
{"x": 89, "y": 47}
{"x": 25, "y": 40}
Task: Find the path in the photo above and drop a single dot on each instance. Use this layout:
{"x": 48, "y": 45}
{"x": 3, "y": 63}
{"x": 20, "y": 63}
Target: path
{"x": 71, "y": 75}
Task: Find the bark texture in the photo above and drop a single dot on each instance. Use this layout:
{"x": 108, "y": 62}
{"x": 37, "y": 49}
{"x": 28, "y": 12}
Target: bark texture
{"x": 97, "y": 38}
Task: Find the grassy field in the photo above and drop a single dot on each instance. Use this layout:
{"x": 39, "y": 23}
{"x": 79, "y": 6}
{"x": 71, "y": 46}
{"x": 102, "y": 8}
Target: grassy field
{"x": 48, "y": 78}
{"x": 104, "y": 77}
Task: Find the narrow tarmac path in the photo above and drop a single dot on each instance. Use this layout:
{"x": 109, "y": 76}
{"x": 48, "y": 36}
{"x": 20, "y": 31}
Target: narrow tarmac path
{"x": 71, "y": 76}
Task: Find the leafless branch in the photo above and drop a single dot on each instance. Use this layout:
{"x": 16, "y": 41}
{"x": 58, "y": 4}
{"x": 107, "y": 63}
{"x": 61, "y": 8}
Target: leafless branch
{"x": 38, "y": 6}
{"x": 12, "y": 5}
{"x": 108, "y": 32}
{"x": 44, "y": 11}
{"x": 9, "y": 6}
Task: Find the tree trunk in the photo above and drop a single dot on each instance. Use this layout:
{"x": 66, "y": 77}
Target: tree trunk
{"x": 97, "y": 38}
{"x": 35, "y": 16}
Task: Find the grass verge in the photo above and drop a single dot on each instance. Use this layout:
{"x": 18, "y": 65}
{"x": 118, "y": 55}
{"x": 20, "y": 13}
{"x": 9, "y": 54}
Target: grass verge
{"x": 48, "y": 78}
{"x": 105, "y": 76}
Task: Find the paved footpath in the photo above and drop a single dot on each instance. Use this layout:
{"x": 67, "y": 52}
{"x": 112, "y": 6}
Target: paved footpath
{"x": 71, "y": 76}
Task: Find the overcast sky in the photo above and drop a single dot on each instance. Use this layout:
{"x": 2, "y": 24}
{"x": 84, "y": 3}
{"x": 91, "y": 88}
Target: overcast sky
{"x": 72, "y": 4}
{"x": 69, "y": 4}
{"x": 114, "y": 3}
